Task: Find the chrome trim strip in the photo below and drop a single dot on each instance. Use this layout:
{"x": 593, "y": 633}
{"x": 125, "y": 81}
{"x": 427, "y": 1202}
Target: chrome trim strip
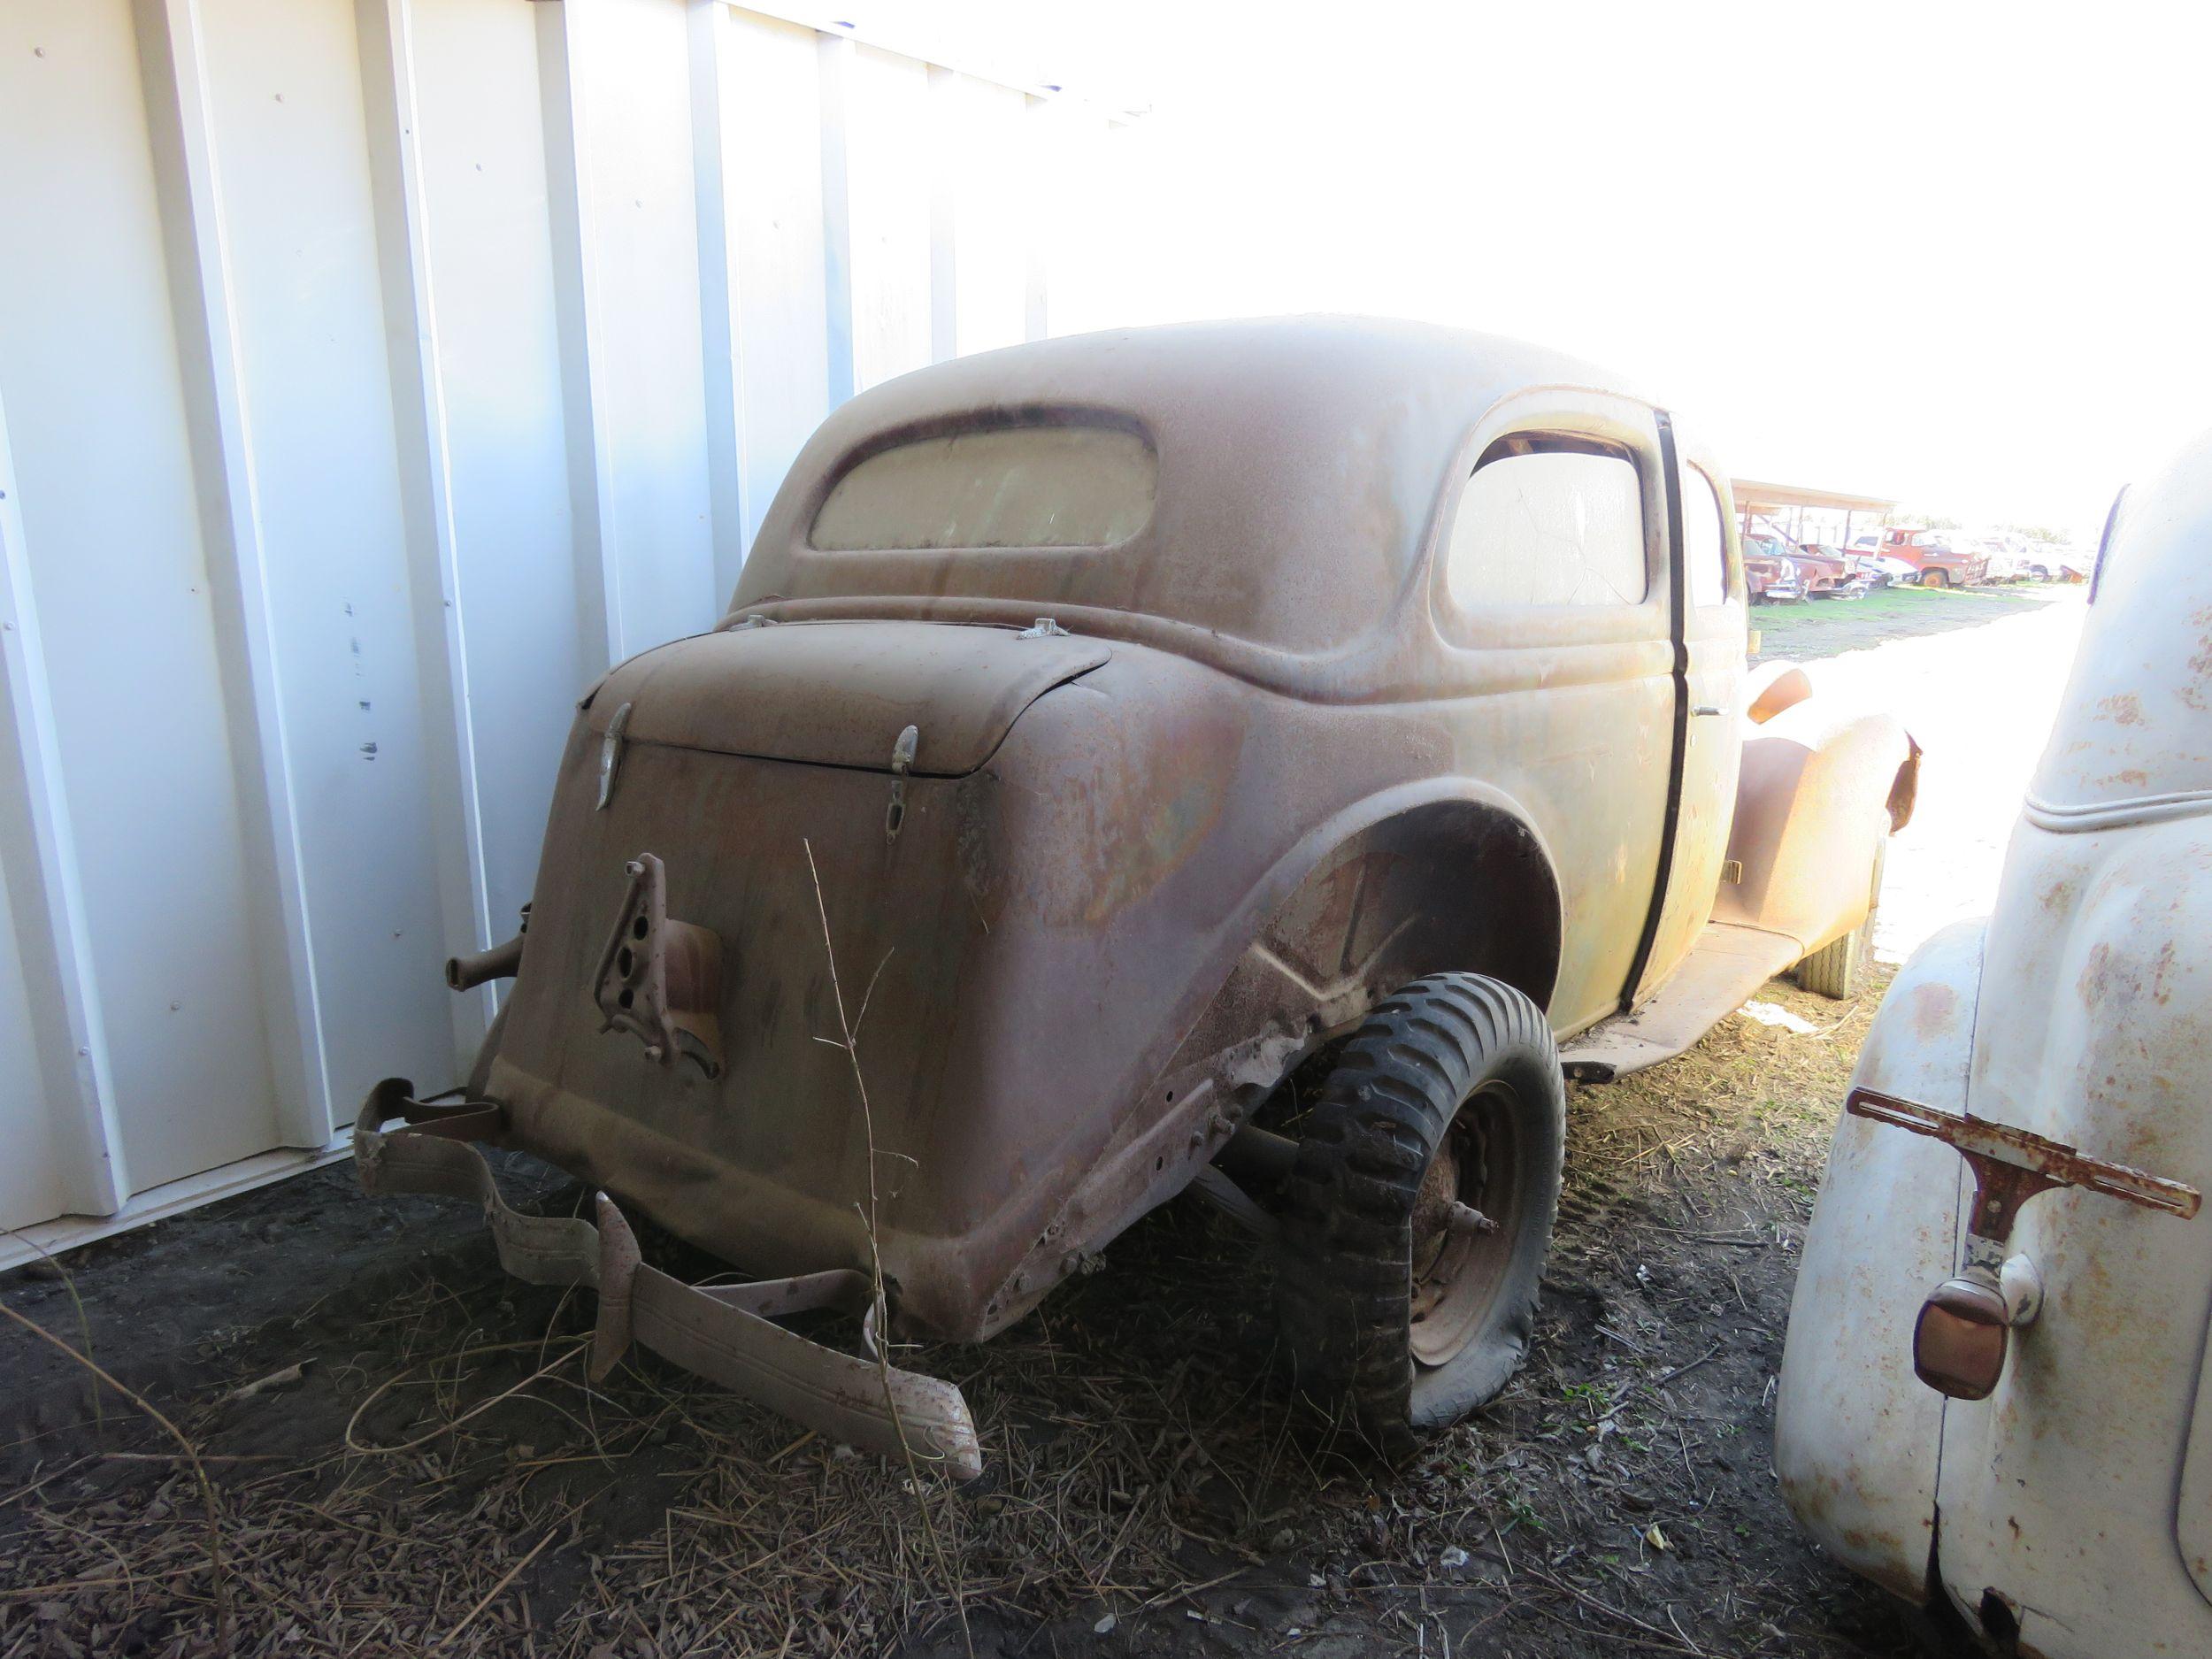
{"x": 2146, "y": 809}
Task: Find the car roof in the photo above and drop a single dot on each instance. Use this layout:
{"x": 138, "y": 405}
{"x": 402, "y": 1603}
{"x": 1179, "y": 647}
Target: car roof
{"x": 1300, "y": 462}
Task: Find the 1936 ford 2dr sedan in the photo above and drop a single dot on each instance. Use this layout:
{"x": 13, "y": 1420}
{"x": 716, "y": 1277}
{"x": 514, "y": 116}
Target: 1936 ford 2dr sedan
{"x": 1103, "y": 729}
{"x": 1994, "y": 1393}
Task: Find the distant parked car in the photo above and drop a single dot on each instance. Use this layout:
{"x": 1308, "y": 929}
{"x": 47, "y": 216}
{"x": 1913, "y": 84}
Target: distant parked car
{"x": 1899, "y": 570}
{"x": 1770, "y": 575}
{"x": 1837, "y": 570}
{"x": 2032, "y": 1438}
{"x": 1878, "y": 570}
{"x": 1942, "y": 557}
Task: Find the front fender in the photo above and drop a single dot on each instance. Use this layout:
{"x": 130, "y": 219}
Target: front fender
{"x": 1816, "y": 792}
{"x": 1856, "y": 1434}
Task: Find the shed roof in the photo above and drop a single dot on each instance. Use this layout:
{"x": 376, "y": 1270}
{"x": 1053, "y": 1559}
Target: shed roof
{"x": 1752, "y": 496}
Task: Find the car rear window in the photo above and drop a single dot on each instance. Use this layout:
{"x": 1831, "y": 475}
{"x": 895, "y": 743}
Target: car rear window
{"x": 1061, "y": 486}
{"x": 1556, "y": 527}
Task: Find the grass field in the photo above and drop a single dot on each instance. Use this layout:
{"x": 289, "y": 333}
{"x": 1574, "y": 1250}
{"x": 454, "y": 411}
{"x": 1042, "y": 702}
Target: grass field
{"x": 1829, "y": 627}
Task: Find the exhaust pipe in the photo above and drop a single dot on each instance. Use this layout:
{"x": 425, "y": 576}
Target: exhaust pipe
{"x": 501, "y": 962}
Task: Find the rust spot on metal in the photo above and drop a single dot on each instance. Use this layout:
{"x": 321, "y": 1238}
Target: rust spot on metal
{"x": 2123, "y": 709}
{"x": 1932, "y": 1008}
{"x": 2094, "y": 984}
{"x": 2191, "y": 692}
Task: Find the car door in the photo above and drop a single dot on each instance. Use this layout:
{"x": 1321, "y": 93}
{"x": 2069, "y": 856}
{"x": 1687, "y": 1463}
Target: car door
{"x": 1551, "y": 583}
{"x": 1706, "y": 612}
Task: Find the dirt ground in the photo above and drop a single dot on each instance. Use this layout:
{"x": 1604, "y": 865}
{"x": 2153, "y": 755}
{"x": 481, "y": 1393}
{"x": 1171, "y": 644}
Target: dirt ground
{"x": 435, "y": 1475}
{"x": 370, "y": 1441}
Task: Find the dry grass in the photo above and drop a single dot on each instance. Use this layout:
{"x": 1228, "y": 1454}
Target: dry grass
{"x": 447, "y": 1481}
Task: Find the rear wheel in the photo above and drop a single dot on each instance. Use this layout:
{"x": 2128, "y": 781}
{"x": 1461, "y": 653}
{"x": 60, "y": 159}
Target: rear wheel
{"x": 1420, "y": 1209}
{"x": 1935, "y": 579}
{"x": 1838, "y": 968}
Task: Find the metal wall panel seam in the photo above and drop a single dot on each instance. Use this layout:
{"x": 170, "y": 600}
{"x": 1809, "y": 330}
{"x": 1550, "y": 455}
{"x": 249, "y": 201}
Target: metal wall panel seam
{"x": 173, "y": 63}
{"x": 590, "y": 461}
{"x": 944, "y": 220}
{"x": 722, "y": 335}
{"x": 44, "y": 889}
{"x": 836, "y": 57}
{"x": 1038, "y": 114}
{"x": 437, "y": 600}
{"x": 918, "y": 33}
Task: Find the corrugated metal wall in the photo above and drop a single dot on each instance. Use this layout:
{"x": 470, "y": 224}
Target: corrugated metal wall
{"x": 373, "y": 372}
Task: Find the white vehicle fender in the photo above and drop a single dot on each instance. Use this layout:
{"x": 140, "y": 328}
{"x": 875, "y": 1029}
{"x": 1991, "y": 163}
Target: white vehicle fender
{"x": 1856, "y": 1434}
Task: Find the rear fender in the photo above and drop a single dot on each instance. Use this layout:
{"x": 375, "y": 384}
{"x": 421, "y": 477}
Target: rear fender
{"x": 1856, "y": 1434}
{"x": 1819, "y": 788}
{"x": 1451, "y": 885}
{"x": 1435, "y": 876}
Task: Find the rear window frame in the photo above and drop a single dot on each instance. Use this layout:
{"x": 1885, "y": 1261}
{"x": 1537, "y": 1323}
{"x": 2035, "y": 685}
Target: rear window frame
{"x": 966, "y": 423}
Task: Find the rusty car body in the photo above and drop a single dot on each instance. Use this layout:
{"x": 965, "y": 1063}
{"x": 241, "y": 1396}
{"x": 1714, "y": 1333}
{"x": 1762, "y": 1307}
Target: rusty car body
{"x": 1945, "y": 559}
{"x": 1993, "y": 1392}
{"x": 1771, "y": 576}
{"x": 1102, "y": 730}
{"x": 1846, "y": 578}
{"x": 1827, "y": 573}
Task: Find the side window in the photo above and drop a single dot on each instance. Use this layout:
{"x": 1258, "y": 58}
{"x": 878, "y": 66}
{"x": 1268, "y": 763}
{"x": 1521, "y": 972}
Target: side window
{"x": 1541, "y": 525}
{"x": 1704, "y": 547}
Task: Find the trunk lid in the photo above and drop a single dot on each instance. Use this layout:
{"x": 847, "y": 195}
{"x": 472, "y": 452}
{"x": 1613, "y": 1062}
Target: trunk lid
{"x": 839, "y": 694}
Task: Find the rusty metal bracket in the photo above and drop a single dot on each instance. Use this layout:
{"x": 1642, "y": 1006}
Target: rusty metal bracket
{"x": 724, "y": 1332}
{"x": 1964, "y": 1332}
{"x": 2012, "y": 1165}
{"x": 661, "y": 981}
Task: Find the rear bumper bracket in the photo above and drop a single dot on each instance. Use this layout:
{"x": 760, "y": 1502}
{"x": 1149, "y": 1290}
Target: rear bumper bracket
{"x": 724, "y": 1332}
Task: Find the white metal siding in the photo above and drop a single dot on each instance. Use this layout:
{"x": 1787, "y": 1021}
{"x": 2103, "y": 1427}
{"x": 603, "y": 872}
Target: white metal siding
{"x": 373, "y": 374}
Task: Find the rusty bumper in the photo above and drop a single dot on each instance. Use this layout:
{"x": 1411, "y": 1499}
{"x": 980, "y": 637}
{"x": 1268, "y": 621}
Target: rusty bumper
{"x": 724, "y": 1332}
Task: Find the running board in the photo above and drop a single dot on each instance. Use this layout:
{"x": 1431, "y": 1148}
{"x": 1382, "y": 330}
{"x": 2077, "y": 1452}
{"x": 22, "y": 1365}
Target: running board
{"x": 1728, "y": 962}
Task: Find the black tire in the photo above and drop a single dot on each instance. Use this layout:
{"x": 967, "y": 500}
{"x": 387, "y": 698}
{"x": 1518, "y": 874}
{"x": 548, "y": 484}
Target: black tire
{"x": 1838, "y": 968}
{"x": 1935, "y": 579}
{"x": 1451, "y": 1090}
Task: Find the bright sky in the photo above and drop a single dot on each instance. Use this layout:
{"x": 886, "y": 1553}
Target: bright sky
{"x": 1955, "y": 253}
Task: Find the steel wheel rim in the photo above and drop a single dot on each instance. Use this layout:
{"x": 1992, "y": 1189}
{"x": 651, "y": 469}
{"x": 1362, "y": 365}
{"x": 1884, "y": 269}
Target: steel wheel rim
{"x": 1456, "y": 1278}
